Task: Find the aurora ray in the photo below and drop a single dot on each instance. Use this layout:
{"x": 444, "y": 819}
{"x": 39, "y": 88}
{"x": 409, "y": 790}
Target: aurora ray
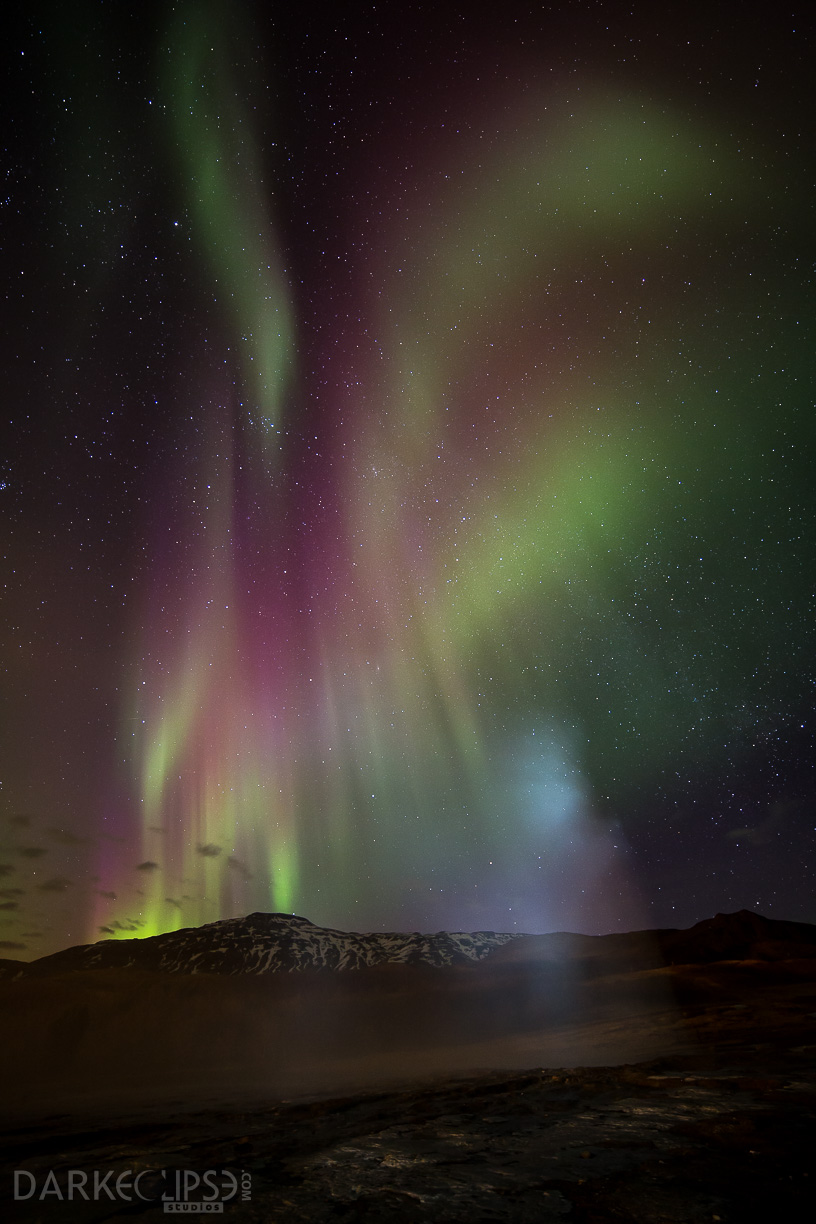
{"x": 443, "y": 441}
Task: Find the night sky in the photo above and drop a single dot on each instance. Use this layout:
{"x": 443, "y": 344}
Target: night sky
{"x": 407, "y": 466}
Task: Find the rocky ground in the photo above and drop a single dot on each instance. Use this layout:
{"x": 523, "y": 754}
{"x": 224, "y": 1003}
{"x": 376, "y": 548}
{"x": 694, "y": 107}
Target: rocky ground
{"x": 721, "y": 1128}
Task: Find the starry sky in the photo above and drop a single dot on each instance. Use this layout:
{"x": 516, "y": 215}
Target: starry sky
{"x": 406, "y": 477}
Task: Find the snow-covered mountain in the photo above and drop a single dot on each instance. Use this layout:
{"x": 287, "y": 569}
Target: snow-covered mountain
{"x": 284, "y": 943}
{"x": 270, "y": 943}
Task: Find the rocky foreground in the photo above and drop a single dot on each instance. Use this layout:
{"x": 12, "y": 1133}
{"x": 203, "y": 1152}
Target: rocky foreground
{"x": 724, "y": 1133}
{"x": 681, "y": 1092}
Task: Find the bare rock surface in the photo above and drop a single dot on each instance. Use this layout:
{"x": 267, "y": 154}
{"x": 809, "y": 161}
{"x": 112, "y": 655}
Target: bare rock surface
{"x": 705, "y": 1137}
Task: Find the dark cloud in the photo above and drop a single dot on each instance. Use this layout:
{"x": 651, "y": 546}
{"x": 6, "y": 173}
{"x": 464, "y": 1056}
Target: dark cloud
{"x": 56, "y": 884}
{"x": 240, "y": 868}
{"x": 210, "y": 850}
{"x": 32, "y": 851}
{"x": 173, "y": 901}
{"x": 65, "y": 837}
{"x": 773, "y": 826}
{"x": 106, "y": 930}
{"x": 9, "y": 905}
{"x": 8, "y": 945}
{"x": 109, "y": 896}
{"x": 148, "y": 865}
{"x": 130, "y": 924}
{"x": 12, "y": 892}
{"x": 6, "y": 869}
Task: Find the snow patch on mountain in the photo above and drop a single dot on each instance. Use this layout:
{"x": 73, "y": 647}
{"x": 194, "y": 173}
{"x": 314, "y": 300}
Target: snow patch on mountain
{"x": 273, "y": 943}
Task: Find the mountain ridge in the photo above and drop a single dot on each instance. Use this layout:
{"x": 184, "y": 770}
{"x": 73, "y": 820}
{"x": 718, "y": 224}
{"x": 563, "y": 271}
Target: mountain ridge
{"x": 262, "y": 943}
{"x": 267, "y": 943}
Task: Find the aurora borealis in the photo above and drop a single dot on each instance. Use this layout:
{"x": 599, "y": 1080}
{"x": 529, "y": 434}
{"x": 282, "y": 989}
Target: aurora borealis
{"x": 407, "y": 472}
